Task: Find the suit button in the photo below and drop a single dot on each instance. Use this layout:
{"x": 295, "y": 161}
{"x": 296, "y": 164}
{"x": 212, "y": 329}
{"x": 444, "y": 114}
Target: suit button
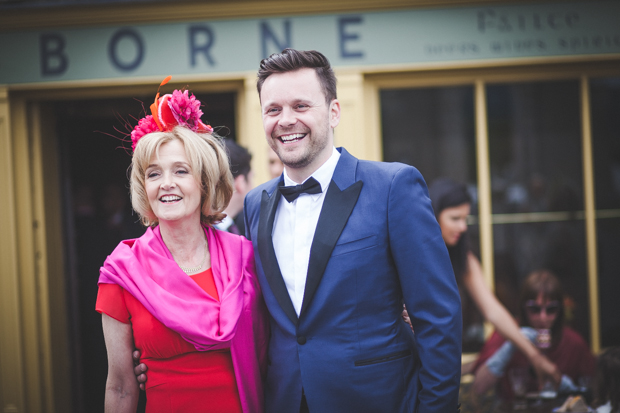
{"x": 301, "y": 340}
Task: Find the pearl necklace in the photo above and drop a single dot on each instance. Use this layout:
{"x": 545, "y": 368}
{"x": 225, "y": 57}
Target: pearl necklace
{"x": 187, "y": 270}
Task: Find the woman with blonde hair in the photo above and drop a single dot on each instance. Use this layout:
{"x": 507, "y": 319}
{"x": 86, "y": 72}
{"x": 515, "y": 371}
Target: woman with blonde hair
{"x": 184, "y": 294}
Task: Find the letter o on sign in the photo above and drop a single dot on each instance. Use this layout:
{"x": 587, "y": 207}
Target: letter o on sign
{"x": 113, "y": 52}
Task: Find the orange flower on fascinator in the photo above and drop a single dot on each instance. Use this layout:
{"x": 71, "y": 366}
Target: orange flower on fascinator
{"x": 176, "y": 109}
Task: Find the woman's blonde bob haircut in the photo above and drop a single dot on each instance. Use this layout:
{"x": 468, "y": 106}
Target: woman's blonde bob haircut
{"x": 208, "y": 163}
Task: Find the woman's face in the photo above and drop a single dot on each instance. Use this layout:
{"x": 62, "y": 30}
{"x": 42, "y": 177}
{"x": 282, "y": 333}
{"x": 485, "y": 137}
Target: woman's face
{"x": 453, "y": 223}
{"x": 173, "y": 192}
{"x": 542, "y": 312}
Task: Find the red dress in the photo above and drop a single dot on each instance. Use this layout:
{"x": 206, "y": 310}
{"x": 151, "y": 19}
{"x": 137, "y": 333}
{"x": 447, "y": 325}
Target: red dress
{"x": 180, "y": 378}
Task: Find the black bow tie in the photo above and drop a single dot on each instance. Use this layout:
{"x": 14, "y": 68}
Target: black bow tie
{"x": 311, "y": 186}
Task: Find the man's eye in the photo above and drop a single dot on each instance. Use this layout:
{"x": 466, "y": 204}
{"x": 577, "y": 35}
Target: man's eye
{"x": 272, "y": 110}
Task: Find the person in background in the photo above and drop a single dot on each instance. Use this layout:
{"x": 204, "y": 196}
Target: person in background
{"x": 212, "y": 358}
{"x": 452, "y": 204}
{"x": 243, "y": 176}
{"x": 607, "y": 381}
{"x": 275, "y": 164}
{"x": 542, "y": 314}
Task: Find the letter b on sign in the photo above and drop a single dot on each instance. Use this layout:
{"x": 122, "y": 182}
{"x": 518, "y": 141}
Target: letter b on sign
{"x": 54, "y": 61}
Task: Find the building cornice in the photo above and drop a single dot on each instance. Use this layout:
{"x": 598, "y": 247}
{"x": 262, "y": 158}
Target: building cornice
{"x": 177, "y": 11}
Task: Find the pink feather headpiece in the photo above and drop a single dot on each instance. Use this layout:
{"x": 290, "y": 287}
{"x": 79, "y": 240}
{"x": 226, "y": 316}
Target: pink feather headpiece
{"x": 168, "y": 111}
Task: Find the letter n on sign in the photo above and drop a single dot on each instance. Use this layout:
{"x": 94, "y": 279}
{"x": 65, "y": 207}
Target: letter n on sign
{"x": 267, "y": 34}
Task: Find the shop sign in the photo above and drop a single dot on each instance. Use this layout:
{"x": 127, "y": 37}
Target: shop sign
{"x": 404, "y": 37}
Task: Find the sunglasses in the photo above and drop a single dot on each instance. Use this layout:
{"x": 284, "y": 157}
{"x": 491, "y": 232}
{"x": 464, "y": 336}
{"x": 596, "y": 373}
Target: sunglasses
{"x": 550, "y": 309}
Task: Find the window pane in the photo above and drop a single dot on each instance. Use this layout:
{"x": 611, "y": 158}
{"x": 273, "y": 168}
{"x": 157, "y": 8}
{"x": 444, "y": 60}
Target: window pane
{"x": 433, "y": 130}
{"x": 535, "y": 147}
{"x": 556, "y": 246}
{"x": 536, "y": 167}
{"x": 608, "y": 245}
{"x": 605, "y": 107}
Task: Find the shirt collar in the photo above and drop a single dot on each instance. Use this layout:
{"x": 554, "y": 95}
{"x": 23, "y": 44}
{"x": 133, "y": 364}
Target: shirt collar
{"x": 225, "y": 223}
{"x": 323, "y": 175}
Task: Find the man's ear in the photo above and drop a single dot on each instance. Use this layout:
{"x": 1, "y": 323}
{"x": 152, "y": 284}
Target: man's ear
{"x": 239, "y": 182}
{"x": 334, "y": 113}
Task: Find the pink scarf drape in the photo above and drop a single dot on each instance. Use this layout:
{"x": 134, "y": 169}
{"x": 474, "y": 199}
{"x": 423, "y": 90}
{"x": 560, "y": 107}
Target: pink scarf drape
{"x": 146, "y": 269}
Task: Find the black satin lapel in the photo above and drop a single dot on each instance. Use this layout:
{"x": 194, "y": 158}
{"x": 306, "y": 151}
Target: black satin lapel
{"x": 267, "y": 253}
{"x": 335, "y": 213}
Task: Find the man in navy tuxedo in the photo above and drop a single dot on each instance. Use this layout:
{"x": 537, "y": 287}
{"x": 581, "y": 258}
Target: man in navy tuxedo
{"x": 340, "y": 244}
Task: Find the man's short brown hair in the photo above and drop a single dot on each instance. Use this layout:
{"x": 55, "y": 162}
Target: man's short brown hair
{"x": 291, "y": 60}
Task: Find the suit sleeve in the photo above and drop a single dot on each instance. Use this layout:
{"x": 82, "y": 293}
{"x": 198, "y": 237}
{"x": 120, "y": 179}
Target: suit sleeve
{"x": 429, "y": 290}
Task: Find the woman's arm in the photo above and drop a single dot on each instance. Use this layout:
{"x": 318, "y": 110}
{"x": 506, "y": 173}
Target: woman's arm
{"x": 483, "y": 380}
{"x": 121, "y": 390}
{"x": 495, "y": 313}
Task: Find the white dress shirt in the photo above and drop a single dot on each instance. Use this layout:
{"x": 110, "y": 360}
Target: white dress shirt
{"x": 225, "y": 223}
{"x": 293, "y": 230}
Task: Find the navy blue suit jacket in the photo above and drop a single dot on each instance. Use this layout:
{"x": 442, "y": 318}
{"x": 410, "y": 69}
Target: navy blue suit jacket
{"x": 377, "y": 242}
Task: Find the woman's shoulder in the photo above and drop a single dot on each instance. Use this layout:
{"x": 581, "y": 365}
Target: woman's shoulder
{"x": 237, "y": 243}
{"x": 474, "y": 268}
{"x": 130, "y": 242}
{"x": 472, "y": 258}
{"x": 230, "y": 237}
{"x": 125, "y": 247}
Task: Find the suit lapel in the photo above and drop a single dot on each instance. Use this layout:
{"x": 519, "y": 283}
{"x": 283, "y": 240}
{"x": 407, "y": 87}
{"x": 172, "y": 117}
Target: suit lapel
{"x": 267, "y": 253}
{"x": 335, "y": 213}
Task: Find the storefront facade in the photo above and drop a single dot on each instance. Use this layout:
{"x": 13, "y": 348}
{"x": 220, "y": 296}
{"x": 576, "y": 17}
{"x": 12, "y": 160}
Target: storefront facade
{"x": 518, "y": 100}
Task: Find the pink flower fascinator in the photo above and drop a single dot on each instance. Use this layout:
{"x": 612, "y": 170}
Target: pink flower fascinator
{"x": 176, "y": 109}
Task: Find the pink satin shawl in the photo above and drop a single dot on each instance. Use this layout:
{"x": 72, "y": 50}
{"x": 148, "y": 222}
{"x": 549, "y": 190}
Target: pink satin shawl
{"x": 146, "y": 269}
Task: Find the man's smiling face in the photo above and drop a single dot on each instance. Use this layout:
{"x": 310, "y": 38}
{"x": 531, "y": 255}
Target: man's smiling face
{"x": 298, "y": 121}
